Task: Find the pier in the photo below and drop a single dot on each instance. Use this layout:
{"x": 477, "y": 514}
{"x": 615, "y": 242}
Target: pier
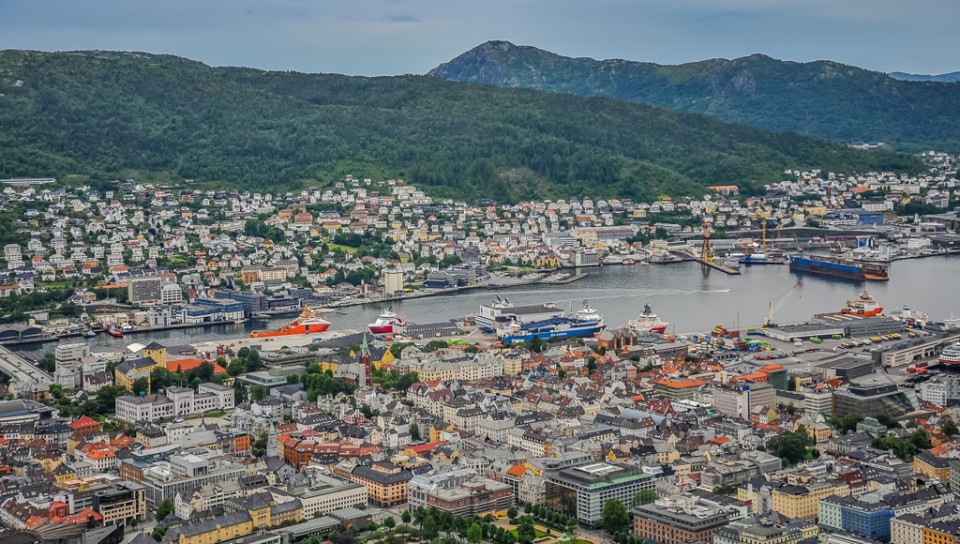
{"x": 687, "y": 253}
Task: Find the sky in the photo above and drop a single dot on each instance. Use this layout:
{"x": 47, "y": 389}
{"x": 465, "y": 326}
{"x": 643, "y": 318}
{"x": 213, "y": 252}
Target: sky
{"x": 388, "y": 37}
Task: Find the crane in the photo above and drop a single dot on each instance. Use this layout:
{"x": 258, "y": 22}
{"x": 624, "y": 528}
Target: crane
{"x": 706, "y": 251}
{"x": 771, "y": 309}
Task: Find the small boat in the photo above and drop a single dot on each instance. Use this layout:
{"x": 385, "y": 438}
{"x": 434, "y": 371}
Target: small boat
{"x": 114, "y": 332}
{"x": 90, "y": 334}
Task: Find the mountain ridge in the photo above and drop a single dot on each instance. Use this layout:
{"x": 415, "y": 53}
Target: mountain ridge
{"x": 823, "y": 98}
{"x": 100, "y": 114}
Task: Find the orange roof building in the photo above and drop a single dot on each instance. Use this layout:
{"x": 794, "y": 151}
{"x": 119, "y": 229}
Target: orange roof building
{"x": 186, "y": 365}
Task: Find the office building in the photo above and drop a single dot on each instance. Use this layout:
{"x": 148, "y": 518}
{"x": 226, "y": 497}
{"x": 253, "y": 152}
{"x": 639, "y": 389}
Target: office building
{"x": 121, "y": 503}
{"x": 581, "y": 491}
{"x": 462, "y": 492}
{"x": 761, "y": 531}
{"x": 869, "y": 520}
{"x": 885, "y": 399}
{"x": 185, "y": 473}
{"x": 679, "y": 520}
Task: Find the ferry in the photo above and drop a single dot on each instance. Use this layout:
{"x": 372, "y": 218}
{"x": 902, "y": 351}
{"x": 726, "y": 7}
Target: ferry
{"x": 584, "y": 322}
{"x": 951, "y": 355}
{"x": 502, "y": 312}
{"x": 648, "y": 321}
{"x": 308, "y": 322}
{"x": 863, "y": 306}
{"x": 386, "y": 323}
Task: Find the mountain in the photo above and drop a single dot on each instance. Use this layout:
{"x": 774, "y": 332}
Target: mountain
{"x": 824, "y": 98}
{"x": 952, "y": 77}
{"x": 106, "y": 114}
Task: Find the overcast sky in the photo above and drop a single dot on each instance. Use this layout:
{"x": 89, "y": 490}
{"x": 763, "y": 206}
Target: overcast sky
{"x": 385, "y": 37}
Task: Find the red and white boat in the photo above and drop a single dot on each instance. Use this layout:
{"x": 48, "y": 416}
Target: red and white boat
{"x": 951, "y": 355}
{"x": 308, "y": 323}
{"x": 648, "y": 321}
{"x": 863, "y": 306}
{"x": 387, "y": 323}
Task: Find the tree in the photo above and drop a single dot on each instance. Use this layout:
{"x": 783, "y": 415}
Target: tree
{"x": 645, "y": 496}
{"x": 390, "y": 523}
{"x": 414, "y": 431}
{"x": 949, "y": 428}
{"x": 790, "y": 446}
{"x": 258, "y": 392}
{"x": 614, "y": 518}
{"x": 405, "y": 516}
{"x": 474, "y": 534}
{"x": 537, "y": 344}
{"x": 512, "y": 513}
{"x": 164, "y": 509}
{"x": 140, "y": 385}
{"x": 526, "y": 533}
{"x": 47, "y": 362}
{"x": 429, "y": 528}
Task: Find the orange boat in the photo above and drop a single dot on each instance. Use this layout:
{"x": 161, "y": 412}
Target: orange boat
{"x": 308, "y": 322}
{"x": 863, "y": 306}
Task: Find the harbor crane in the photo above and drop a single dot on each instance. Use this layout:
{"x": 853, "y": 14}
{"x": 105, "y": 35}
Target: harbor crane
{"x": 706, "y": 250}
{"x": 772, "y": 309}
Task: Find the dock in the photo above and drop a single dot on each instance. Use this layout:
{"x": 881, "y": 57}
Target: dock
{"x": 690, "y": 254}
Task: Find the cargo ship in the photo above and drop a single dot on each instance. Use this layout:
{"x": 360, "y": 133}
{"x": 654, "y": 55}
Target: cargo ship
{"x": 863, "y": 306}
{"x": 308, "y": 322}
{"x": 839, "y": 268}
{"x": 648, "y": 321}
{"x": 386, "y": 323}
{"x": 584, "y": 322}
{"x": 951, "y": 355}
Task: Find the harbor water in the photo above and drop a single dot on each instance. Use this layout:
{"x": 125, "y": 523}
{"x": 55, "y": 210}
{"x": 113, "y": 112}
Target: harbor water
{"x": 686, "y": 295}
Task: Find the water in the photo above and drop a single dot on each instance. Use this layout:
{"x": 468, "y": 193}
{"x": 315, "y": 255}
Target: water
{"x": 683, "y": 294}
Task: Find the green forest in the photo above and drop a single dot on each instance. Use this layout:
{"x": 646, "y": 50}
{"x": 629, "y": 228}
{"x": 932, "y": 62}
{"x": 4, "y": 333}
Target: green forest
{"x": 824, "y": 98}
{"x": 100, "y": 115}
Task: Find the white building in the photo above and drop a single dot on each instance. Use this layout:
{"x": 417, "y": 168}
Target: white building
{"x": 179, "y": 401}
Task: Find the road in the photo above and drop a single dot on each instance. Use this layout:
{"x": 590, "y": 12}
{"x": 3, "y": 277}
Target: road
{"x": 24, "y": 375}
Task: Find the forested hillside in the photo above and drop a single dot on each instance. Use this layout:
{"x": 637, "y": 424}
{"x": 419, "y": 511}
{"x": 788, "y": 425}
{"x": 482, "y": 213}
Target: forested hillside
{"x": 824, "y": 98}
{"x": 100, "y": 114}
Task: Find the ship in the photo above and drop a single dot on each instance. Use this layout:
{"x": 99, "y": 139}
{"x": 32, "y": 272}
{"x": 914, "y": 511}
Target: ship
{"x": 863, "y": 306}
{"x": 386, "y": 323}
{"x": 584, "y": 322}
{"x": 502, "y": 312}
{"x": 308, "y": 323}
{"x": 648, "y": 321}
{"x": 114, "y": 332}
{"x": 839, "y": 268}
{"x": 762, "y": 257}
{"x": 951, "y": 355}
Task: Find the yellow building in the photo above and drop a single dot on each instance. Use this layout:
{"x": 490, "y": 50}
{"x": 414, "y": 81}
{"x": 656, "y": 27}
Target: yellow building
{"x": 157, "y": 352}
{"x": 931, "y": 466}
{"x": 797, "y": 501}
{"x": 939, "y": 533}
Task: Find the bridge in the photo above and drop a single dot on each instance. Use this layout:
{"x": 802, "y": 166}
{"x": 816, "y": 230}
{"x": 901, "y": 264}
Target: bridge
{"x": 24, "y": 376}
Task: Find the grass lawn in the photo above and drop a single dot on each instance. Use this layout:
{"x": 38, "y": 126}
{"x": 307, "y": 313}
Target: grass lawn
{"x": 345, "y": 249}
